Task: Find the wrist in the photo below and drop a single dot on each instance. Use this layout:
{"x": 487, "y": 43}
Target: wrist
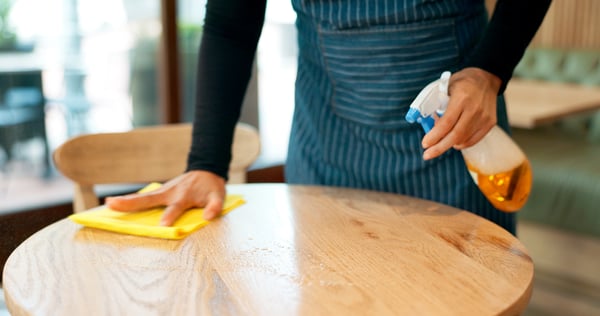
{"x": 493, "y": 82}
{"x": 206, "y": 174}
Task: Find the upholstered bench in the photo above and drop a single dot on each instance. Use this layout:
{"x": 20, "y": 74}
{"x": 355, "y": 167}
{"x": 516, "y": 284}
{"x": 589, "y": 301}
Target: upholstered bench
{"x": 565, "y": 156}
{"x": 560, "y": 224}
{"x": 566, "y": 186}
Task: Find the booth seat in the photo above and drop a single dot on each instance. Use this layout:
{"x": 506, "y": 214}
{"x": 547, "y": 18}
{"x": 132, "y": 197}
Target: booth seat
{"x": 564, "y": 155}
{"x": 560, "y": 223}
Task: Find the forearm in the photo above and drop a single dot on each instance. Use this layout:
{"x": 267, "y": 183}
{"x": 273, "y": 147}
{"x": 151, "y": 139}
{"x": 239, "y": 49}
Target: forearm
{"x": 226, "y": 55}
{"x": 512, "y": 27}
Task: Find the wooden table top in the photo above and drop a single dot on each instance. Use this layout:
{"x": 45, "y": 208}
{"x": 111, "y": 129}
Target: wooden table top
{"x": 290, "y": 250}
{"x": 532, "y": 103}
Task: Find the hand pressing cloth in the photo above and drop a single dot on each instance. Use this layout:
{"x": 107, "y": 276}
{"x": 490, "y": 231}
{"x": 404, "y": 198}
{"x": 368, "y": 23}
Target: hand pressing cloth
{"x": 146, "y": 223}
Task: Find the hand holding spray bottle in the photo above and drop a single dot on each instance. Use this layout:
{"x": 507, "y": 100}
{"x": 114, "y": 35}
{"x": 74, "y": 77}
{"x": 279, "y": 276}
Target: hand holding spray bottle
{"x": 496, "y": 163}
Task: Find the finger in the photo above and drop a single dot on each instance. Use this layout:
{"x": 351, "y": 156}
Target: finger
{"x": 444, "y": 124}
{"x": 441, "y": 128}
{"x": 135, "y": 202}
{"x": 474, "y": 139}
{"x": 171, "y": 214}
{"x": 441, "y": 147}
{"x": 470, "y": 129}
{"x": 214, "y": 206}
{"x": 461, "y": 133}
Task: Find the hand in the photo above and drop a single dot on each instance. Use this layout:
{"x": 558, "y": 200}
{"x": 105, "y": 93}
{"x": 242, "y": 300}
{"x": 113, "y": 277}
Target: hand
{"x": 191, "y": 189}
{"x": 470, "y": 114}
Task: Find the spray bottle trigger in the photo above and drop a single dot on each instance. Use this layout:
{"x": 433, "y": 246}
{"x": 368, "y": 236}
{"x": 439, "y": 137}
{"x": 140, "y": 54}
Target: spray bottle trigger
{"x": 427, "y": 123}
{"x": 414, "y": 115}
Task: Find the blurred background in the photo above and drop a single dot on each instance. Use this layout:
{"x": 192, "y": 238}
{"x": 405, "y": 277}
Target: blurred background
{"x": 69, "y": 67}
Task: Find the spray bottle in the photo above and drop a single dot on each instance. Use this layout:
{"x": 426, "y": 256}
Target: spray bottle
{"x": 496, "y": 163}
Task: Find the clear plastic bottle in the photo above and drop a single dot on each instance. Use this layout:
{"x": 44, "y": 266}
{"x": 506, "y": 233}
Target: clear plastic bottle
{"x": 500, "y": 169}
{"x": 497, "y": 164}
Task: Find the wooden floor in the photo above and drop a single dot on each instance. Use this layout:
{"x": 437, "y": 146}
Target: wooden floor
{"x": 26, "y": 184}
{"x": 553, "y": 298}
{"x": 23, "y": 187}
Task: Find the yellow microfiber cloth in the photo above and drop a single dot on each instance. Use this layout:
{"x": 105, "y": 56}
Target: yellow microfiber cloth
{"x": 146, "y": 223}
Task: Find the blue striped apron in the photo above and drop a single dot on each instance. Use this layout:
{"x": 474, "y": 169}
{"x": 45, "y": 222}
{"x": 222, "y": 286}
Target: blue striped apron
{"x": 360, "y": 64}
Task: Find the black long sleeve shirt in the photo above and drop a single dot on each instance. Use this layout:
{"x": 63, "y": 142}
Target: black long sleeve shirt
{"x": 228, "y": 47}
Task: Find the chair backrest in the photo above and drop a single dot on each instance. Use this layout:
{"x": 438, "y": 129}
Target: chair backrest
{"x": 142, "y": 155}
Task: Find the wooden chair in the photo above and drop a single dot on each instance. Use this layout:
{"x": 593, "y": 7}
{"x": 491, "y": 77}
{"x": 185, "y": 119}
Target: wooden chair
{"x": 141, "y": 155}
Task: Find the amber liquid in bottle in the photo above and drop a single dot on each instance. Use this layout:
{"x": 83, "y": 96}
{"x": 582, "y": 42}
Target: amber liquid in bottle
{"x": 507, "y": 191}
{"x": 500, "y": 169}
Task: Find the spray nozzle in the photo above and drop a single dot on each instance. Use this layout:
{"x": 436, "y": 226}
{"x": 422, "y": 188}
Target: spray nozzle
{"x": 431, "y": 101}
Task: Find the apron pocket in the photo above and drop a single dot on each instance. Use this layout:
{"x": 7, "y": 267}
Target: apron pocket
{"x": 376, "y": 72}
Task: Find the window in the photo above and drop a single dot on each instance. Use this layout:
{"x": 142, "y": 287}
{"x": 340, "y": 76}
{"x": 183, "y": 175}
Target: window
{"x": 98, "y": 64}
{"x": 277, "y": 61}
{"x": 69, "y": 67}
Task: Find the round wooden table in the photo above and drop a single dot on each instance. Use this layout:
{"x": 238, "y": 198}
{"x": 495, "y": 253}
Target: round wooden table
{"x": 290, "y": 250}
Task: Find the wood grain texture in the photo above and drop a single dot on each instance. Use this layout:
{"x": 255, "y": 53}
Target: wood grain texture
{"x": 290, "y": 250}
{"x": 532, "y": 103}
{"x": 568, "y": 24}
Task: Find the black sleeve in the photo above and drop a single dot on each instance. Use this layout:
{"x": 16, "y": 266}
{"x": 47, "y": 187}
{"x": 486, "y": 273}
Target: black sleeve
{"x": 511, "y": 29}
{"x": 227, "y": 49}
